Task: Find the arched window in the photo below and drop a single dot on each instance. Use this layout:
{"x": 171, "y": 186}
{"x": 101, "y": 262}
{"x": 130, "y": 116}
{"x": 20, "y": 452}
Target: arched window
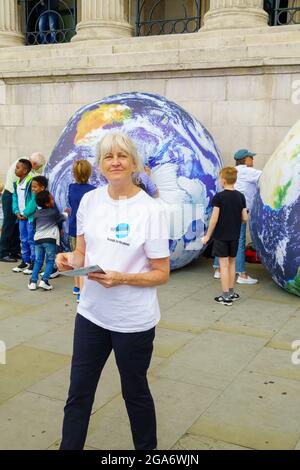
{"x": 154, "y": 17}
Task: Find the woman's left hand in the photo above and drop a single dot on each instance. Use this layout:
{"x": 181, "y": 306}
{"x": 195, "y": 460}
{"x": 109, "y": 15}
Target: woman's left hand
{"x": 109, "y": 279}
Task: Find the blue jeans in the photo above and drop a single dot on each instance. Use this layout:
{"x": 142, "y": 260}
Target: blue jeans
{"x": 42, "y": 251}
{"x": 48, "y": 22}
{"x": 27, "y": 242}
{"x": 91, "y": 349}
{"x": 240, "y": 256}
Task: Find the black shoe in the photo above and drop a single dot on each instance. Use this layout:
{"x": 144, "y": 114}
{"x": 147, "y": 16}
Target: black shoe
{"x": 223, "y": 301}
{"x": 234, "y": 296}
{"x": 20, "y": 268}
{"x": 9, "y": 259}
{"x": 28, "y": 269}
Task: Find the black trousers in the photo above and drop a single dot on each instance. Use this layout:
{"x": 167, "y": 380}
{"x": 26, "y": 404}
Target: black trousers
{"x": 91, "y": 349}
{"x": 10, "y": 239}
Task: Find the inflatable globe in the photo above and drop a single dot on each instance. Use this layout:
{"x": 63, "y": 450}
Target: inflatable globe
{"x": 182, "y": 155}
{"x": 275, "y": 219}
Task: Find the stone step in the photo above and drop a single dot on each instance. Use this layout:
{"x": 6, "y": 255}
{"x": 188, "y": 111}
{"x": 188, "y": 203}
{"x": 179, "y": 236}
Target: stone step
{"x": 155, "y": 53}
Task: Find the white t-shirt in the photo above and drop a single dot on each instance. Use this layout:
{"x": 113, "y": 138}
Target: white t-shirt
{"x": 121, "y": 236}
{"x": 21, "y": 195}
{"x": 246, "y": 183}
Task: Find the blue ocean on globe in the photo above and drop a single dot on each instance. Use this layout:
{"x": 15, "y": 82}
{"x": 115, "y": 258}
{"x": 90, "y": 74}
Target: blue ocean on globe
{"x": 275, "y": 218}
{"x": 183, "y": 157}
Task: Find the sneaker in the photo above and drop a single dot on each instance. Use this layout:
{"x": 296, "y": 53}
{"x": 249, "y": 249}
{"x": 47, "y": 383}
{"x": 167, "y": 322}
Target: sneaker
{"x": 45, "y": 285}
{"x": 235, "y": 296}
{"x": 20, "y": 268}
{"x": 29, "y": 269}
{"x": 246, "y": 280}
{"x": 54, "y": 274}
{"x": 217, "y": 275}
{"x": 32, "y": 285}
{"x": 76, "y": 290}
{"x": 78, "y": 298}
{"x": 223, "y": 301}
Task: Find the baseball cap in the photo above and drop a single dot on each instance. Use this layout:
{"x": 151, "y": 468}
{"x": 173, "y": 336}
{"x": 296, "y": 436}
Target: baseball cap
{"x": 243, "y": 153}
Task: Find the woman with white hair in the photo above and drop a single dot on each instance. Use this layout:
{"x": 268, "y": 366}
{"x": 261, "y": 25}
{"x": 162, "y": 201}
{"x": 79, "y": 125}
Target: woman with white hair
{"x": 123, "y": 230}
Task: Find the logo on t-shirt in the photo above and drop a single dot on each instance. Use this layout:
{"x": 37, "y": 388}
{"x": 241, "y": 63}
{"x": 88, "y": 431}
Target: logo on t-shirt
{"x": 122, "y": 230}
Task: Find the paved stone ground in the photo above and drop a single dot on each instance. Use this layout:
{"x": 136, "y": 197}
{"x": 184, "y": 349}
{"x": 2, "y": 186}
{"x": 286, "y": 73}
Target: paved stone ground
{"x": 222, "y": 377}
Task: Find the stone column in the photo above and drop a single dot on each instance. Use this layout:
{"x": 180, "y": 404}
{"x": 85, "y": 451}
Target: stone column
{"x": 103, "y": 19}
{"x": 10, "y": 31}
{"x": 235, "y": 14}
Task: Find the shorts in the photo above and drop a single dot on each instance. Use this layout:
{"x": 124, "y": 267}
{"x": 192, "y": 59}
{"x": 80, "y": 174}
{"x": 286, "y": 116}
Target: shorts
{"x": 72, "y": 241}
{"x": 225, "y": 248}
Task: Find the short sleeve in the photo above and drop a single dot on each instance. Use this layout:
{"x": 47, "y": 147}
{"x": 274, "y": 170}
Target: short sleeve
{"x": 216, "y": 201}
{"x": 80, "y": 218}
{"x": 244, "y": 204}
{"x": 157, "y": 233}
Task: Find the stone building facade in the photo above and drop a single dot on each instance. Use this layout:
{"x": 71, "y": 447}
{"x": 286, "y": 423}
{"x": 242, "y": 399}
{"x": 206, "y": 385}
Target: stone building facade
{"x": 237, "y": 75}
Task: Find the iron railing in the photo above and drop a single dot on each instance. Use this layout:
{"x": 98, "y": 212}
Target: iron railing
{"x": 282, "y": 12}
{"x": 148, "y": 23}
{"x": 48, "y": 21}
{"x": 287, "y": 15}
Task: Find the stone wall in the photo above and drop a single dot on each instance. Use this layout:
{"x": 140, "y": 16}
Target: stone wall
{"x": 249, "y": 110}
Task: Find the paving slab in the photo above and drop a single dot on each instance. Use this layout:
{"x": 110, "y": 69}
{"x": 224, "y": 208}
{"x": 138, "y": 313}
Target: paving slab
{"x": 256, "y": 317}
{"x": 169, "y": 341}
{"x": 56, "y": 444}
{"x": 63, "y": 314}
{"x": 191, "y": 315}
{"x": 15, "y": 330}
{"x": 252, "y": 414}
{"x": 58, "y": 340}
{"x": 9, "y": 307}
{"x": 275, "y": 362}
{"x": 194, "y": 442}
{"x": 29, "y": 421}
{"x": 212, "y": 359}
{"x": 288, "y": 333}
{"x": 270, "y": 292}
{"x": 26, "y": 366}
{"x": 109, "y": 427}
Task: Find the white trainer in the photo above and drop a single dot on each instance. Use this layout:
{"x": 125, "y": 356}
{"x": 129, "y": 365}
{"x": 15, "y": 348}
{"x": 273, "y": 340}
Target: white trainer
{"x": 32, "y": 285}
{"x": 246, "y": 280}
{"x": 45, "y": 285}
{"x": 217, "y": 274}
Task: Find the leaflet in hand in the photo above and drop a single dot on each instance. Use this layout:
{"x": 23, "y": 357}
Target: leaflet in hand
{"x": 82, "y": 271}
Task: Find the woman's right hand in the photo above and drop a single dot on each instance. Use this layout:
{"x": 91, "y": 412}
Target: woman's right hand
{"x": 70, "y": 260}
{"x": 64, "y": 261}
